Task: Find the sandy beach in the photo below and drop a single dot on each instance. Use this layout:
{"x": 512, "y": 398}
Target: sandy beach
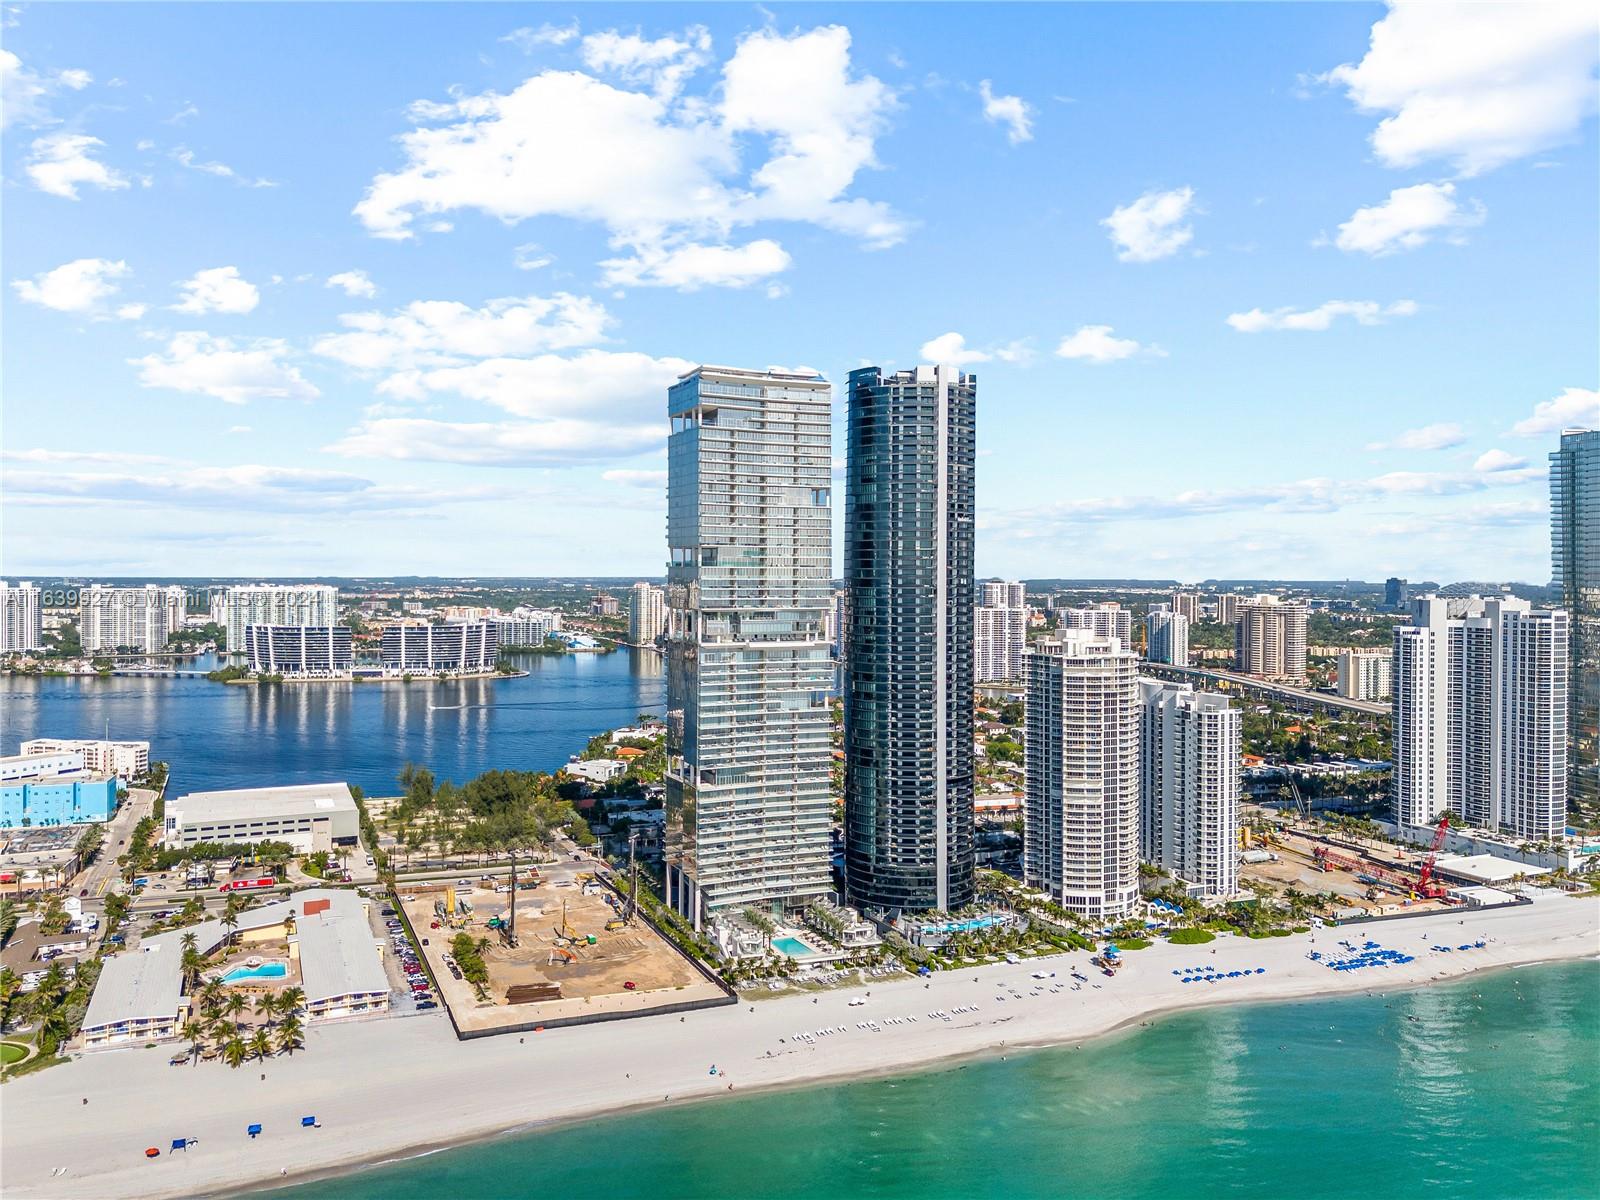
{"x": 388, "y": 1088}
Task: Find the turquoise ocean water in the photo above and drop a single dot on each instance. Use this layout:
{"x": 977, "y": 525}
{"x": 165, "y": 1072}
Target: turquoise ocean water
{"x": 1485, "y": 1089}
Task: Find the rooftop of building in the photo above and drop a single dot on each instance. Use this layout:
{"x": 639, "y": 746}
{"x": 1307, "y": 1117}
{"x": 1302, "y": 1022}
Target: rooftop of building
{"x": 1486, "y": 868}
{"x": 258, "y": 803}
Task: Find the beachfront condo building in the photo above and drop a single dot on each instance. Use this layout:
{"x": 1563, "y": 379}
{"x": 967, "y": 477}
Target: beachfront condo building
{"x": 1270, "y": 639}
{"x": 129, "y": 618}
{"x": 908, "y": 701}
{"x": 1189, "y": 745}
{"x": 300, "y": 651}
{"x": 21, "y": 617}
{"x": 1107, "y": 620}
{"x": 452, "y": 648}
{"x": 1000, "y": 632}
{"x": 525, "y": 626}
{"x": 1364, "y": 674}
{"x": 1480, "y": 715}
{"x": 1166, "y": 636}
{"x": 239, "y": 606}
{"x": 1575, "y": 566}
{"x": 647, "y": 613}
{"x": 749, "y": 668}
{"x": 1081, "y": 797}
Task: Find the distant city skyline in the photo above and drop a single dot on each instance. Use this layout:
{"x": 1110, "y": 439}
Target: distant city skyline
{"x": 1280, "y": 320}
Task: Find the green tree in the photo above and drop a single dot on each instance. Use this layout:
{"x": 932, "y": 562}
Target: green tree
{"x": 289, "y": 1035}
{"x": 261, "y": 1044}
{"x": 234, "y": 1051}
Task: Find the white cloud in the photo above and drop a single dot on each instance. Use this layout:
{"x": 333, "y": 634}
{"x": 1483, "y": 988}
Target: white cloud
{"x": 444, "y": 332}
{"x": 24, "y": 93}
{"x": 595, "y": 384}
{"x": 1476, "y": 84}
{"x": 59, "y": 162}
{"x": 527, "y": 39}
{"x": 1409, "y": 218}
{"x": 664, "y": 179}
{"x": 186, "y": 157}
{"x": 80, "y": 286}
{"x": 1498, "y": 460}
{"x": 217, "y": 290}
{"x": 636, "y": 478}
{"x": 212, "y": 366}
{"x": 1152, "y": 227}
{"x": 1365, "y": 312}
{"x": 1015, "y": 113}
{"x": 1441, "y": 436}
{"x": 99, "y": 457}
{"x": 353, "y": 283}
{"x": 132, "y": 312}
{"x": 691, "y": 266}
{"x": 663, "y": 65}
{"x": 1096, "y": 344}
{"x": 952, "y": 348}
{"x": 1575, "y": 408}
{"x": 529, "y": 257}
{"x": 496, "y": 443}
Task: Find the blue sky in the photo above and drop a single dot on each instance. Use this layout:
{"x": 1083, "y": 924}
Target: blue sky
{"x": 1257, "y": 290}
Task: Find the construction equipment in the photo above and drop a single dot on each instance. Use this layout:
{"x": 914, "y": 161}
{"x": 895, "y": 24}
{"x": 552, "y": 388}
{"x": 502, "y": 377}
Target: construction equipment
{"x": 1329, "y": 859}
{"x": 1426, "y": 875}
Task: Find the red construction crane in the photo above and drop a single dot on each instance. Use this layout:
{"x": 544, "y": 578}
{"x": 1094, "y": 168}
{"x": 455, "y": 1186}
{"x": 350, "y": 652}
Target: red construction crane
{"x": 1438, "y": 840}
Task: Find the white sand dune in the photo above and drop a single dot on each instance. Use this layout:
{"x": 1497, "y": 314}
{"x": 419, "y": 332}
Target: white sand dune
{"x": 387, "y": 1088}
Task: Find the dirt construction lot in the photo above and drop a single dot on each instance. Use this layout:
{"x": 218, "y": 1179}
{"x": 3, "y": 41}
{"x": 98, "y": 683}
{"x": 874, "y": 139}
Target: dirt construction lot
{"x": 553, "y": 948}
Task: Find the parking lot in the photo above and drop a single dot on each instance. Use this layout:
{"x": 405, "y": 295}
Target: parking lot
{"x": 413, "y": 992}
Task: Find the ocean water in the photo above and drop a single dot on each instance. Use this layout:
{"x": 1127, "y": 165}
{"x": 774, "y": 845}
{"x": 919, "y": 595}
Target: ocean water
{"x": 217, "y": 736}
{"x": 1487, "y": 1089}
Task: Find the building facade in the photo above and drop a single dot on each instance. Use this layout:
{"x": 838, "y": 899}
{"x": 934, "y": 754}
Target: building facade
{"x": 53, "y": 788}
{"x": 1396, "y": 594}
{"x": 21, "y": 617}
{"x": 1000, "y": 632}
{"x": 130, "y": 618}
{"x": 647, "y": 613}
{"x": 310, "y": 817}
{"x": 1270, "y": 639}
{"x": 1480, "y": 715}
{"x": 1226, "y": 607}
{"x": 1189, "y": 746}
{"x": 125, "y": 760}
{"x": 239, "y": 606}
{"x": 1081, "y": 796}
{"x": 1166, "y": 636}
{"x": 525, "y": 627}
{"x": 908, "y": 736}
{"x": 469, "y": 648}
{"x": 1105, "y": 620}
{"x": 300, "y": 651}
{"x": 1187, "y": 603}
{"x": 1575, "y": 568}
{"x": 749, "y": 669}
{"x": 1364, "y": 674}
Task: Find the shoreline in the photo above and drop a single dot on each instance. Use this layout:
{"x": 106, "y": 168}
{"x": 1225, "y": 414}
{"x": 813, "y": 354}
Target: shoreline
{"x": 953, "y": 1061}
{"x": 397, "y": 1088}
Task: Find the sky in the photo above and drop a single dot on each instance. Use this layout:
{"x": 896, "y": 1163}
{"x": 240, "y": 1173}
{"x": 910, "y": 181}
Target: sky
{"x": 1259, "y": 291}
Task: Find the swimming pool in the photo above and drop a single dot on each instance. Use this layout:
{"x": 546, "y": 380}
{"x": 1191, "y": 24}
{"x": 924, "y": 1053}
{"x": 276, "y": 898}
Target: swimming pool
{"x": 272, "y": 970}
{"x": 792, "y": 947}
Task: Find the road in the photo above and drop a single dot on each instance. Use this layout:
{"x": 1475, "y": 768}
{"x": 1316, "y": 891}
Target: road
{"x": 104, "y": 870}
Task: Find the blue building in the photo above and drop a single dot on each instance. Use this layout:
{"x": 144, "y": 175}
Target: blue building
{"x": 59, "y": 800}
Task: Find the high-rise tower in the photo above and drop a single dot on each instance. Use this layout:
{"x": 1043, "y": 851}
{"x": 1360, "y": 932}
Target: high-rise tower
{"x": 1575, "y": 568}
{"x": 909, "y": 645}
{"x": 749, "y": 465}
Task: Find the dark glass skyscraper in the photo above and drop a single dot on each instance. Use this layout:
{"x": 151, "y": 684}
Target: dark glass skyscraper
{"x": 908, "y": 652}
{"x": 1575, "y": 568}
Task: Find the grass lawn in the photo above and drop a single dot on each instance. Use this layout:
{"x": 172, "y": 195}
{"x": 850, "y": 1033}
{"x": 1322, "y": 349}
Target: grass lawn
{"x": 11, "y": 1052}
{"x": 1191, "y": 937}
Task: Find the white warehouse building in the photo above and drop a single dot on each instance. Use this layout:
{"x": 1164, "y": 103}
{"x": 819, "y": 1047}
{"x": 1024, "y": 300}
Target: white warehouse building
{"x": 310, "y": 817}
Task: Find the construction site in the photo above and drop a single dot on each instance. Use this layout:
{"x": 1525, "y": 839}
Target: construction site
{"x": 568, "y": 949}
{"x": 1373, "y": 876}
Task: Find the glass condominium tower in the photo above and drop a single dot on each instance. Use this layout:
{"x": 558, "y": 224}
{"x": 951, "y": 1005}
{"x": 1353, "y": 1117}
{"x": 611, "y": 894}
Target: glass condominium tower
{"x": 749, "y": 668}
{"x": 909, "y": 640}
{"x": 1575, "y": 568}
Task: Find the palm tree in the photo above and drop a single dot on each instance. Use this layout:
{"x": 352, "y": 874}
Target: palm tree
{"x": 10, "y": 988}
{"x": 234, "y": 1051}
{"x": 261, "y": 1044}
{"x": 267, "y": 1006}
{"x": 291, "y": 1000}
{"x": 235, "y": 1006}
{"x": 289, "y": 1035}
{"x": 230, "y": 918}
{"x": 195, "y": 1031}
{"x": 54, "y": 1029}
{"x": 211, "y": 996}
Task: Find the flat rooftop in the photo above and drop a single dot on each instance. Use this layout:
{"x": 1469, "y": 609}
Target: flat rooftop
{"x": 1487, "y": 868}
{"x": 254, "y": 803}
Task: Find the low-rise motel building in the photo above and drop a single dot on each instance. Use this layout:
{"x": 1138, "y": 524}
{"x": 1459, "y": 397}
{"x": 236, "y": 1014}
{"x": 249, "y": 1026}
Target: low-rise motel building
{"x": 330, "y": 953}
